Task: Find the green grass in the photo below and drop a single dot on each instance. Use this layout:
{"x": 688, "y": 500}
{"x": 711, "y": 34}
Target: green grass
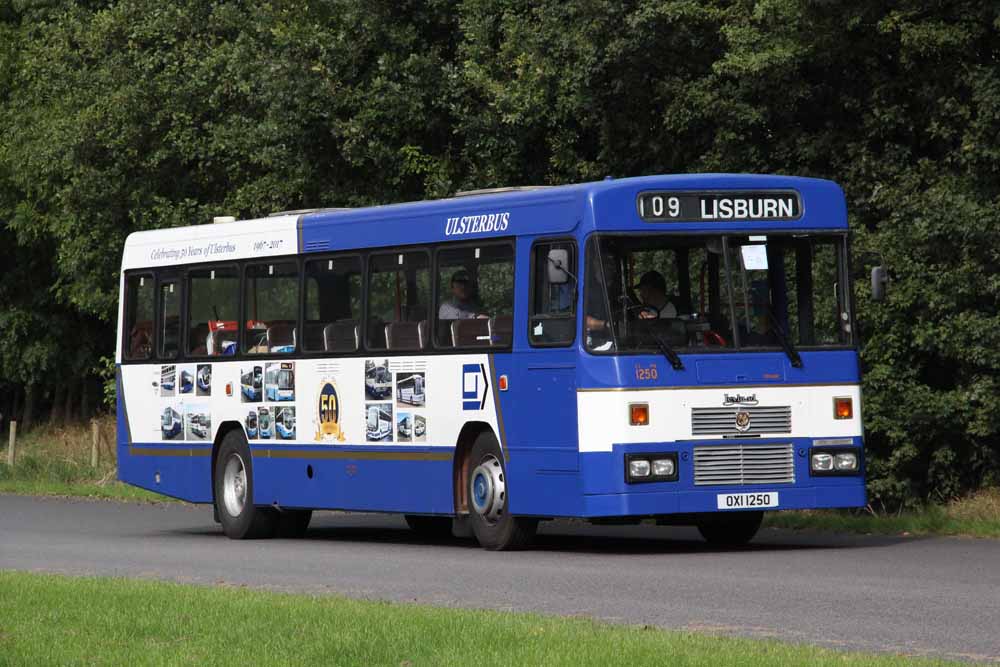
{"x": 52, "y": 620}
{"x": 55, "y": 460}
{"x": 106, "y": 491}
{"x": 977, "y": 515}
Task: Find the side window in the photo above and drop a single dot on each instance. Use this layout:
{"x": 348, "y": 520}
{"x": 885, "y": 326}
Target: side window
{"x": 553, "y": 294}
{"x": 475, "y": 288}
{"x": 272, "y": 307}
{"x": 333, "y": 305}
{"x": 139, "y": 308}
{"x": 213, "y": 311}
{"x": 170, "y": 319}
{"x": 399, "y": 296}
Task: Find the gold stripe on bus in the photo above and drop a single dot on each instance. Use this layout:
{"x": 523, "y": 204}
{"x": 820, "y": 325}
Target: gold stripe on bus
{"x": 357, "y": 455}
{"x": 163, "y": 451}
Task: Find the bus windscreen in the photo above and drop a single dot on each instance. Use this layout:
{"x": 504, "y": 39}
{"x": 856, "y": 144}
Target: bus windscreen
{"x": 720, "y": 291}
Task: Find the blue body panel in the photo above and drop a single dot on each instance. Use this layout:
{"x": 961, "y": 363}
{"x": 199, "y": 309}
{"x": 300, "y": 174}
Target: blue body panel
{"x": 547, "y": 474}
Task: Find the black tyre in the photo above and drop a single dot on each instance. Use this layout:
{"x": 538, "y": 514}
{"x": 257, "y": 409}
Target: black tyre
{"x": 293, "y": 524}
{"x": 731, "y": 530}
{"x": 494, "y": 527}
{"x": 430, "y": 526}
{"x": 240, "y": 518}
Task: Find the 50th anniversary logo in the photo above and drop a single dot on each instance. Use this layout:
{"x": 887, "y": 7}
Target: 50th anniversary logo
{"x": 328, "y": 413}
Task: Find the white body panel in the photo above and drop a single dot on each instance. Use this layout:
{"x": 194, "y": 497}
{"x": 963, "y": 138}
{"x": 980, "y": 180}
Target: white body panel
{"x": 310, "y": 412}
{"x": 604, "y": 415}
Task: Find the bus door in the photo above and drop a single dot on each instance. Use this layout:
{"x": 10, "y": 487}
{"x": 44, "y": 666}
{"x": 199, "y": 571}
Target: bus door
{"x": 549, "y": 368}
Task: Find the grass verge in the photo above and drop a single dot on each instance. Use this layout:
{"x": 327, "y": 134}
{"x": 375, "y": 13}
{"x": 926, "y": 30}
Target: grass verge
{"x": 977, "y": 515}
{"x": 47, "y": 619}
{"x": 55, "y": 460}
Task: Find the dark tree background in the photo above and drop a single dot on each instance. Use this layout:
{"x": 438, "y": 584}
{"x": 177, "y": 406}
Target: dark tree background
{"x": 139, "y": 114}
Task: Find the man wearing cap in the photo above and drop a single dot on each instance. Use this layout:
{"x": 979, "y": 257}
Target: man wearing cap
{"x": 652, "y": 289}
{"x": 462, "y": 305}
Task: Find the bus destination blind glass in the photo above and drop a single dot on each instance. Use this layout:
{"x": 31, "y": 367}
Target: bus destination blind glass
{"x": 678, "y": 206}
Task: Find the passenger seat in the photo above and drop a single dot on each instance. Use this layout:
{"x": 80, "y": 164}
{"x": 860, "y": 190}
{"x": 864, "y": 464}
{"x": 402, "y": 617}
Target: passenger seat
{"x": 341, "y": 336}
{"x": 406, "y": 335}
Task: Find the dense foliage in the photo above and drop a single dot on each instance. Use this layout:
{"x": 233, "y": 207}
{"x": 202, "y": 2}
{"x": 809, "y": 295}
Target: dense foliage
{"x": 118, "y": 116}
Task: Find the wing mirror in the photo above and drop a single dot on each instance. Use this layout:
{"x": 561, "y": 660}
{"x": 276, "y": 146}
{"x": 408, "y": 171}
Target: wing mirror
{"x": 880, "y": 282}
{"x": 558, "y": 264}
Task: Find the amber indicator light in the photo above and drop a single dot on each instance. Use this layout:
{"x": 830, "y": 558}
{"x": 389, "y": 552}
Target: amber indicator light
{"x": 843, "y": 408}
{"x": 638, "y": 414}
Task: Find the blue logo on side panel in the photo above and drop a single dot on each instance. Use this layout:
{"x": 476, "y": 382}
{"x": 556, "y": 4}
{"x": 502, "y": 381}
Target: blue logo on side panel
{"x": 475, "y": 386}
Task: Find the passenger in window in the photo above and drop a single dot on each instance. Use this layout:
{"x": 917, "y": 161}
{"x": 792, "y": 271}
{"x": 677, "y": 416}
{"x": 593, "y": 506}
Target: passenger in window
{"x": 652, "y": 289}
{"x": 463, "y": 304}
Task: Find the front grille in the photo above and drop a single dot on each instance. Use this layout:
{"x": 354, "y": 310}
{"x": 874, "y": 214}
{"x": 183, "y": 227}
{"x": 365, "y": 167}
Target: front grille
{"x": 744, "y": 464}
{"x": 722, "y": 421}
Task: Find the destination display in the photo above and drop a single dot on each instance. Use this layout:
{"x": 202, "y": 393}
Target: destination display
{"x": 678, "y": 206}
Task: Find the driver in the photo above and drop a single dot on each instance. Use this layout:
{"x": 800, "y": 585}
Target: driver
{"x": 652, "y": 289}
{"x": 463, "y": 304}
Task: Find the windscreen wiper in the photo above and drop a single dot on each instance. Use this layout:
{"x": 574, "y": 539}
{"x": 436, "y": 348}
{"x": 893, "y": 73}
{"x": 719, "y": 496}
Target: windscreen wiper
{"x": 667, "y": 351}
{"x": 782, "y": 337}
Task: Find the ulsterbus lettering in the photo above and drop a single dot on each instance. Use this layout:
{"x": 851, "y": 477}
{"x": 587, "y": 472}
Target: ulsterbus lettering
{"x": 477, "y": 224}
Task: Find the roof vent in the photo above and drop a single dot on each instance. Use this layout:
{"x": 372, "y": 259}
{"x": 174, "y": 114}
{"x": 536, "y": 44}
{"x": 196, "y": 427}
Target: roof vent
{"x": 498, "y": 191}
{"x": 223, "y": 218}
{"x": 305, "y": 211}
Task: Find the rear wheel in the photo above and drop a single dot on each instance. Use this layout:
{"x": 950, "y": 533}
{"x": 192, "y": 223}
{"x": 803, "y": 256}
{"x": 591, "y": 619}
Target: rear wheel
{"x": 731, "y": 530}
{"x": 431, "y": 526}
{"x": 493, "y": 525}
{"x": 239, "y": 517}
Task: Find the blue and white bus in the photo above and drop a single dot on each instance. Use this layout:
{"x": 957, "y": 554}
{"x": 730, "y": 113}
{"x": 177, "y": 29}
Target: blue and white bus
{"x": 279, "y": 382}
{"x": 265, "y": 428}
{"x": 675, "y": 348}
{"x": 284, "y": 423}
{"x": 251, "y": 382}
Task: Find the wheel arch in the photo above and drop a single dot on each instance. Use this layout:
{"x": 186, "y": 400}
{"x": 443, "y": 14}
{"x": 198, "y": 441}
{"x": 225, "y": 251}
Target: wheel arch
{"x": 463, "y": 448}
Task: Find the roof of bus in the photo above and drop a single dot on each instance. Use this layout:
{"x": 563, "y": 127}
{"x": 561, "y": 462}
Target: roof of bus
{"x": 601, "y": 205}
{"x": 577, "y": 193}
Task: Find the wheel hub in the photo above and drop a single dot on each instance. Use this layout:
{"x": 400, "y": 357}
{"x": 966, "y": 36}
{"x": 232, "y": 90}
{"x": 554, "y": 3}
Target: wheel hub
{"x": 234, "y": 486}
{"x": 488, "y": 490}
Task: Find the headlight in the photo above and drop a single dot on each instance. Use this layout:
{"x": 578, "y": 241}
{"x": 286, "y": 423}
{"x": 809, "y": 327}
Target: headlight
{"x": 638, "y": 468}
{"x": 822, "y": 462}
{"x": 832, "y": 461}
{"x": 664, "y": 467}
{"x": 846, "y": 461}
{"x": 653, "y": 467}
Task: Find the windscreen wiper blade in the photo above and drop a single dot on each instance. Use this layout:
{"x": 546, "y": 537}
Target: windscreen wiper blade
{"x": 667, "y": 351}
{"x": 782, "y": 337}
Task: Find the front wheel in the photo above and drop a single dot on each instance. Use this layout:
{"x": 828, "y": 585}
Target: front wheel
{"x": 731, "y": 530}
{"x": 240, "y": 518}
{"x": 493, "y": 525}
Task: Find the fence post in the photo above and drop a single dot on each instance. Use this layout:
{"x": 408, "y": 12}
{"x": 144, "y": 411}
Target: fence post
{"x": 95, "y": 438}
{"x": 10, "y": 443}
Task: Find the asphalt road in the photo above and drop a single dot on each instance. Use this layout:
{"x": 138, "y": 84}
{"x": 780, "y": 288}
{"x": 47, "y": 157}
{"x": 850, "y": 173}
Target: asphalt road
{"x": 915, "y": 596}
